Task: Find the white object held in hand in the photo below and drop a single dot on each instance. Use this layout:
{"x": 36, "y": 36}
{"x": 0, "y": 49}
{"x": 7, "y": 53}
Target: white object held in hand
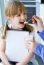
{"x": 15, "y": 45}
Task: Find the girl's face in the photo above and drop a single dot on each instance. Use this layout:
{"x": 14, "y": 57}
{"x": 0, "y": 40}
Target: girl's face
{"x": 18, "y": 21}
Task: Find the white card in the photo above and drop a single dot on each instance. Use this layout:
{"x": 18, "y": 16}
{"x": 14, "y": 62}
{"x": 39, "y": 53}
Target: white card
{"x": 15, "y": 45}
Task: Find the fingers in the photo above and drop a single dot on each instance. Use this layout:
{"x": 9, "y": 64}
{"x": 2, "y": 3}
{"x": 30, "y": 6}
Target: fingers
{"x": 33, "y": 20}
{"x": 30, "y": 45}
{"x": 27, "y": 46}
{"x": 38, "y": 23}
{"x": 36, "y": 19}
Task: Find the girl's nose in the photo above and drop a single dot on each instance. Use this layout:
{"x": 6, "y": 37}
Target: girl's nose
{"x": 22, "y": 17}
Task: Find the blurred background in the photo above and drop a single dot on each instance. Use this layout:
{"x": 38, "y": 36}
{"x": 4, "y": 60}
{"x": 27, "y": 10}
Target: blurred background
{"x": 34, "y": 7}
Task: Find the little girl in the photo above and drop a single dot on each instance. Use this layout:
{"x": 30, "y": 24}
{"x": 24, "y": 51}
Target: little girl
{"x": 16, "y": 18}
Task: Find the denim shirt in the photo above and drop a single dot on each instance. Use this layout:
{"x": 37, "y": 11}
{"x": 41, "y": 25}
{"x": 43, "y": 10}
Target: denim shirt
{"x": 40, "y": 48}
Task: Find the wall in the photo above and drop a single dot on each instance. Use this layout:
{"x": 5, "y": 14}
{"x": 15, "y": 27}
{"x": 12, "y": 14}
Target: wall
{"x": 42, "y": 12}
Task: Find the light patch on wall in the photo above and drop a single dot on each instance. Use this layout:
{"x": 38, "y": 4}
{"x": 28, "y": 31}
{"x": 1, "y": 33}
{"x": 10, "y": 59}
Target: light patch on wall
{"x": 42, "y": 12}
{"x": 0, "y": 19}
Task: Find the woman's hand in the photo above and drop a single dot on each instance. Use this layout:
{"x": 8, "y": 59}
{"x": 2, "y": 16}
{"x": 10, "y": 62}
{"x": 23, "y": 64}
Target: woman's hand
{"x": 38, "y": 23}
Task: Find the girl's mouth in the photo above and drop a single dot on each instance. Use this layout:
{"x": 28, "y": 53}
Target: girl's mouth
{"x": 21, "y": 22}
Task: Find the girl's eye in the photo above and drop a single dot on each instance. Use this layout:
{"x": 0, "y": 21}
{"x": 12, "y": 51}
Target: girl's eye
{"x": 25, "y": 14}
{"x": 18, "y": 15}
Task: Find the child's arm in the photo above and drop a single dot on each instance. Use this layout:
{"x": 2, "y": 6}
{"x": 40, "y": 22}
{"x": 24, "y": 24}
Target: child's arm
{"x": 30, "y": 46}
{"x": 2, "y": 50}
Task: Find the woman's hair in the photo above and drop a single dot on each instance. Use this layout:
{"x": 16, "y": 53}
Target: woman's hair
{"x": 14, "y": 7}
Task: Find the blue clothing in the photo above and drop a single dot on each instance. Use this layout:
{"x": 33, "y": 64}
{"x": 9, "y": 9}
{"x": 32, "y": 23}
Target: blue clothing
{"x": 41, "y": 34}
{"x": 40, "y": 48}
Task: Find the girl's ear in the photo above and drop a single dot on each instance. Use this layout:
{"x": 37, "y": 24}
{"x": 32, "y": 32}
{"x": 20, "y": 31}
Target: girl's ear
{"x": 29, "y": 28}
{"x": 9, "y": 17}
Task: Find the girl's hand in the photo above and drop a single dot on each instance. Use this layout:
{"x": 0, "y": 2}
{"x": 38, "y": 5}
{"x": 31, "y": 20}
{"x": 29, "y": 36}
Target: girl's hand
{"x": 21, "y": 64}
{"x": 30, "y": 46}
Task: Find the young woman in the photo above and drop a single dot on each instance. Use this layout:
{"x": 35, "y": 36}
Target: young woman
{"x": 39, "y": 29}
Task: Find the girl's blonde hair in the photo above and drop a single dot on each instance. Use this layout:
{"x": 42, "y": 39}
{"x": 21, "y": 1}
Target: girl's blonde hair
{"x": 14, "y": 7}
